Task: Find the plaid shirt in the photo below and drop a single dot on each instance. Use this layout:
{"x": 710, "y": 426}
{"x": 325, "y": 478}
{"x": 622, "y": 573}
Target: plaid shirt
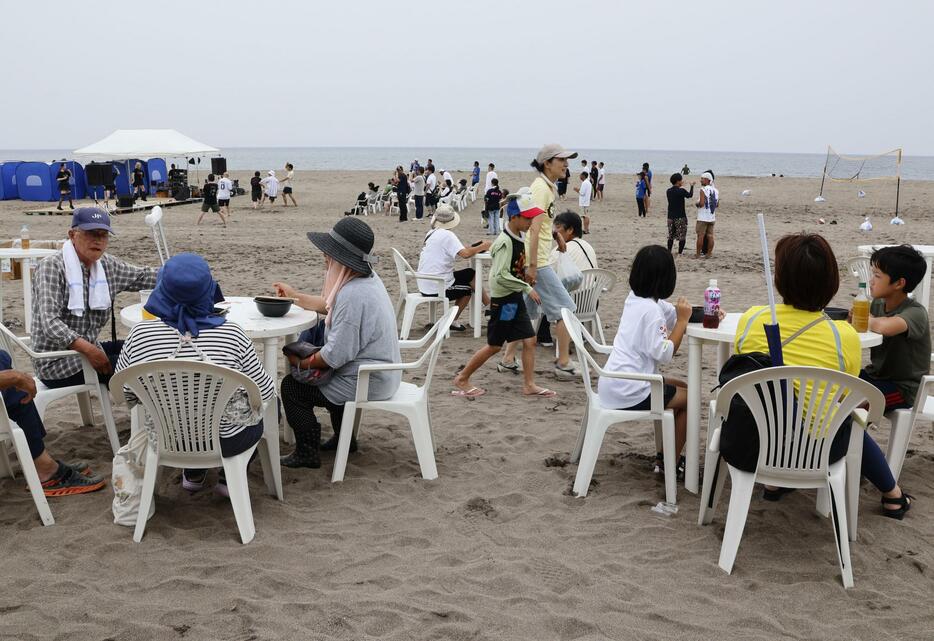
{"x": 54, "y": 327}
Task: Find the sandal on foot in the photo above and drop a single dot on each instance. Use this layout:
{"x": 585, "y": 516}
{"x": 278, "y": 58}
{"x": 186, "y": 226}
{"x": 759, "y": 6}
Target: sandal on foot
{"x": 543, "y": 393}
{"x": 904, "y": 501}
{"x": 776, "y": 494}
{"x": 473, "y": 392}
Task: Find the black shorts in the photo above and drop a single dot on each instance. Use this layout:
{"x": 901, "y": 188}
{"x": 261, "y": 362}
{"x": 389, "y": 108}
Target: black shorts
{"x": 894, "y": 399}
{"x": 205, "y": 207}
{"x": 224, "y": 202}
{"x": 463, "y": 285}
{"x": 286, "y": 190}
{"x": 256, "y": 195}
{"x": 599, "y": 187}
{"x": 646, "y": 404}
{"x": 509, "y": 321}
{"x": 272, "y": 199}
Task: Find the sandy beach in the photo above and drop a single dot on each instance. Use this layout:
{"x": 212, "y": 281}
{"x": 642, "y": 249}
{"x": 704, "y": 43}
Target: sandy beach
{"x": 496, "y": 547}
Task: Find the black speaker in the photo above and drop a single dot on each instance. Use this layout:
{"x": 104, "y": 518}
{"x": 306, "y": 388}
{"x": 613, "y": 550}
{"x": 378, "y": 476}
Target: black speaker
{"x": 125, "y": 201}
{"x": 181, "y": 193}
{"x": 218, "y": 166}
{"x": 98, "y": 174}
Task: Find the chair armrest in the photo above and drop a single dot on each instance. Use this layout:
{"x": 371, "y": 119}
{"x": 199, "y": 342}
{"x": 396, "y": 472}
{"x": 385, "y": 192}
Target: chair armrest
{"x": 364, "y": 371}
{"x": 434, "y": 277}
{"x": 416, "y": 344}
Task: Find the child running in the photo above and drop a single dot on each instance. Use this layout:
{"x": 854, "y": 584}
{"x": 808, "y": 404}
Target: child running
{"x": 509, "y": 319}
{"x": 677, "y": 219}
{"x": 649, "y": 334}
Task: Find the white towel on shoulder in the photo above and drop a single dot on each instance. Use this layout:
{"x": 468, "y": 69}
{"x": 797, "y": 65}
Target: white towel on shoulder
{"x": 99, "y": 290}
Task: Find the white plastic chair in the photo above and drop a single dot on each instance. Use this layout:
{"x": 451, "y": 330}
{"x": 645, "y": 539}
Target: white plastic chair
{"x": 598, "y": 419}
{"x": 186, "y": 400}
{"x": 373, "y": 203}
{"x": 472, "y": 192}
{"x": 789, "y": 456}
{"x": 154, "y": 220}
{"x": 596, "y": 282}
{"x": 860, "y": 268}
{"x": 410, "y": 401}
{"x": 408, "y": 301}
{"x": 10, "y": 342}
{"x": 10, "y": 433}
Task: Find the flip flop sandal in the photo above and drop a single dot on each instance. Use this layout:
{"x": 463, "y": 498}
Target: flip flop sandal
{"x": 544, "y": 393}
{"x": 473, "y": 392}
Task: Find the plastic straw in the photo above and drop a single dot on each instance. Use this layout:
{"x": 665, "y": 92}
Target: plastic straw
{"x": 767, "y": 266}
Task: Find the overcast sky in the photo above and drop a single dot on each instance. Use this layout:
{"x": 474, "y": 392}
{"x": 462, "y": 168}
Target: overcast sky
{"x": 712, "y": 75}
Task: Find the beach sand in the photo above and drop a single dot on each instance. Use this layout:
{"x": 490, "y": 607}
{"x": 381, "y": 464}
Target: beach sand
{"x": 496, "y": 547}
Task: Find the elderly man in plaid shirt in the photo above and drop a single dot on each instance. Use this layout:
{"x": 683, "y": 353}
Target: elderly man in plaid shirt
{"x": 74, "y": 292}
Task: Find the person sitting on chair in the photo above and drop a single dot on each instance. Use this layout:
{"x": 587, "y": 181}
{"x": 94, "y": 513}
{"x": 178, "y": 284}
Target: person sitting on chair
{"x": 74, "y": 293}
{"x": 57, "y": 477}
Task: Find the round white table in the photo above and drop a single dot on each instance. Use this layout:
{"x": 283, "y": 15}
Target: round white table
{"x": 723, "y": 337}
{"x": 260, "y": 328}
{"x": 25, "y": 255}
{"x": 476, "y": 302}
{"x": 924, "y": 295}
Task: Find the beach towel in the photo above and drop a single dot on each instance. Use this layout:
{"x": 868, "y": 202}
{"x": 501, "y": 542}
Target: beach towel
{"x": 99, "y": 290}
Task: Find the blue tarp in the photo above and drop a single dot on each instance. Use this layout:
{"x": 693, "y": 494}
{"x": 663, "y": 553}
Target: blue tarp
{"x": 156, "y": 172}
{"x": 8, "y": 189}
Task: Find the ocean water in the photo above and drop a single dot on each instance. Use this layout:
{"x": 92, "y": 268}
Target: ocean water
{"x": 725, "y": 163}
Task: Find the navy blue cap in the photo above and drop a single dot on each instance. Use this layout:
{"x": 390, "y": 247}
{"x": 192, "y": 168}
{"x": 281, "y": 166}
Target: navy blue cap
{"x": 88, "y": 218}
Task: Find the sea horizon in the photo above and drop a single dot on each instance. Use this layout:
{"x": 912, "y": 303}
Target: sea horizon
{"x": 460, "y": 159}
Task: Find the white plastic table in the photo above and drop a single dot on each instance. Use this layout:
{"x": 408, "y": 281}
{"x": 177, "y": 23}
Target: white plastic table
{"x": 476, "y": 301}
{"x": 924, "y": 296}
{"x": 723, "y": 338}
{"x": 260, "y": 328}
{"x": 17, "y": 253}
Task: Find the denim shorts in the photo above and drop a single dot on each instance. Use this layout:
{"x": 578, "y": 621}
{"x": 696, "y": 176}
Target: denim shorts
{"x": 553, "y": 294}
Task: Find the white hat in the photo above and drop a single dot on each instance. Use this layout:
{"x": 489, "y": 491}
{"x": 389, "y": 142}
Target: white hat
{"x": 445, "y": 217}
{"x": 271, "y": 172}
{"x": 707, "y": 175}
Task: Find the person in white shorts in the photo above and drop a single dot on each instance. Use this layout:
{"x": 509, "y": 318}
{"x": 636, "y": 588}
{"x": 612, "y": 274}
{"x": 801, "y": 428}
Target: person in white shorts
{"x": 585, "y": 192}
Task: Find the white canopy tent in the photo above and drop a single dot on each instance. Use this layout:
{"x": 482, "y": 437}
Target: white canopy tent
{"x": 125, "y": 144}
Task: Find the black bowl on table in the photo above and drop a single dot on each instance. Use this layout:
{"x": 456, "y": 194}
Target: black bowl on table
{"x": 697, "y": 314}
{"x": 837, "y": 313}
{"x": 272, "y": 306}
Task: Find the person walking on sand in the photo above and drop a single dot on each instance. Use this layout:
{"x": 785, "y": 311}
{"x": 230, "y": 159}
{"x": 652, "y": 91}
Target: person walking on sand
{"x": 270, "y": 186}
{"x": 509, "y": 318}
{"x": 287, "y": 184}
{"x": 707, "y": 203}
{"x": 209, "y": 200}
{"x": 224, "y": 190}
{"x": 256, "y": 190}
{"x": 677, "y": 219}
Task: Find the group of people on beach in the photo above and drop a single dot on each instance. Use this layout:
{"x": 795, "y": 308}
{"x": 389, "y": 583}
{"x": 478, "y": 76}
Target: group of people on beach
{"x": 217, "y": 192}
{"x": 75, "y": 289}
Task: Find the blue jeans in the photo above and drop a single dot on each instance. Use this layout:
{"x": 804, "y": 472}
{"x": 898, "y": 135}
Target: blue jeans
{"x": 24, "y": 415}
{"x": 493, "y": 224}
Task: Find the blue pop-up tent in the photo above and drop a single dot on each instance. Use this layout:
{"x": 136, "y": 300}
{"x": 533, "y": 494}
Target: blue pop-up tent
{"x": 8, "y": 190}
{"x": 33, "y": 181}
{"x": 156, "y": 172}
{"x": 78, "y": 181}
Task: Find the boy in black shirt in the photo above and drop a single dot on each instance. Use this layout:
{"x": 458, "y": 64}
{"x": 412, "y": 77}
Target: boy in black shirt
{"x": 677, "y": 220}
{"x": 209, "y": 202}
{"x": 63, "y": 177}
{"x": 256, "y": 190}
{"x": 491, "y": 202}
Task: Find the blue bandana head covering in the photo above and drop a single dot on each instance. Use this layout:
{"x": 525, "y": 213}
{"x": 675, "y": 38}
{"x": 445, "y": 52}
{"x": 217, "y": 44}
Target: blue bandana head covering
{"x": 185, "y": 294}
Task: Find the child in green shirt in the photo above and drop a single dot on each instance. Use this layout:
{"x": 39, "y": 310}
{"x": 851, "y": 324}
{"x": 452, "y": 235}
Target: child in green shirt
{"x": 904, "y": 357}
{"x": 509, "y": 319}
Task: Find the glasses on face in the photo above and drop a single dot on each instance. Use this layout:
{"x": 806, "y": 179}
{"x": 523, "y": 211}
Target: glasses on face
{"x": 97, "y": 234}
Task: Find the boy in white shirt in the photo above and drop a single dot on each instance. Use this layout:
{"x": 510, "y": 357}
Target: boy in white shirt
{"x": 490, "y": 175}
{"x": 224, "y": 189}
{"x": 583, "y": 200}
{"x": 271, "y": 186}
{"x": 601, "y": 180}
{"x": 649, "y": 334}
{"x": 707, "y": 203}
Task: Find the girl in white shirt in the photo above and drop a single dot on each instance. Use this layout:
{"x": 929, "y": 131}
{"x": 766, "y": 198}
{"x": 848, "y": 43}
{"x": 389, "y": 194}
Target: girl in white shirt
{"x": 649, "y": 334}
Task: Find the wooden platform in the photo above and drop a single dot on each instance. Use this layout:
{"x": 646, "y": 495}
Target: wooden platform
{"x": 139, "y": 206}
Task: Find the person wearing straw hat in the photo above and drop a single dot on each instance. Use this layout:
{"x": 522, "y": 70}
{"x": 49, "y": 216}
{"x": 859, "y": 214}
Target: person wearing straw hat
{"x": 359, "y": 327}
{"x": 187, "y": 327}
{"x": 440, "y": 250}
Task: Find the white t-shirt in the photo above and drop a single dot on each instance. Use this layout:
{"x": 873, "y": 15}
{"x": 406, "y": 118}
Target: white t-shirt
{"x": 223, "y": 189}
{"x": 490, "y": 175}
{"x": 288, "y": 178}
{"x": 711, "y": 197}
{"x": 601, "y": 176}
{"x": 431, "y": 182}
{"x": 641, "y": 343}
{"x": 271, "y": 183}
{"x": 586, "y": 191}
{"x": 579, "y": 251}
{"x": 437, "y": 258}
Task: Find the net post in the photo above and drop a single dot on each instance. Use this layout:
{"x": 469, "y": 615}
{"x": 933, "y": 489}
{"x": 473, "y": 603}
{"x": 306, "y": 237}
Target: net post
{"x": 824, "y": 173}
{"x": 898, "y": 180}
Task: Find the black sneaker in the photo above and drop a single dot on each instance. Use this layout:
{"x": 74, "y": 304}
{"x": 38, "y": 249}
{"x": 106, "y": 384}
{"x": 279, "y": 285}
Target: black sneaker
{"x": 67, "y": 482}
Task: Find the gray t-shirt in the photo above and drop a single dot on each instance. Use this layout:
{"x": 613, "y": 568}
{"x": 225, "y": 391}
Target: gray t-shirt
{"x": 904, "y": 358}
{"x": 418, "y": 186}
{"x": 356, "y": 338}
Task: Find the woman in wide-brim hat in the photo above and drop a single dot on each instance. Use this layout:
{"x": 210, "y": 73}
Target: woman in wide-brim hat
{"x": 359, "y": 326}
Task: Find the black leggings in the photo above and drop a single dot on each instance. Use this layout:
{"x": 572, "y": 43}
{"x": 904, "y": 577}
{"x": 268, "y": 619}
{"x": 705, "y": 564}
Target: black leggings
{"x": 300, "y": 401}
{"x": 403, "y": 207}
{"x": 641, "y": 203}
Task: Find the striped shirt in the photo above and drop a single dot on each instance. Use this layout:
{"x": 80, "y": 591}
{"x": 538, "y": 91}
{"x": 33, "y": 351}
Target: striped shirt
{"x": 225, "y": 345}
